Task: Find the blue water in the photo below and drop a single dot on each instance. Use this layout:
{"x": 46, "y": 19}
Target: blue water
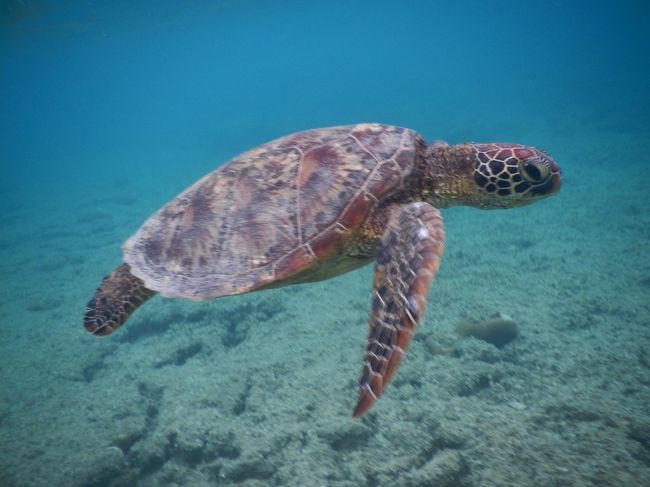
{"x": 109, "y": 109}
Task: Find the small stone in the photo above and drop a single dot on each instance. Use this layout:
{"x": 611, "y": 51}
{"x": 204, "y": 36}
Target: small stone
{"x": 517, "y": 405}
{"x": 498, "y": 331}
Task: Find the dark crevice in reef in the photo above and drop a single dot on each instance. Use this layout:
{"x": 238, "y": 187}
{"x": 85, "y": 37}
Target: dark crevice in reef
{"x": 182, "y": 355}
{"x": 477, "y": 385}
{"x": 144, "y": 329}
{"x": 90, "y": 370}
{"x": 204, "y": 452}
{"x": 240, "y": 404}
{"x": 235, "y": 332}
{"x": 184, "y": 455}
{"x": 348, "y": 437}
{"x": 640, "y": 433}
{"x": 151, "y": 396}
{"x": 438, "y": 444}
{"x": 237, "y": 320}
{"x": 185, "y": 353}
{"x": 257, "y": 469}
{"x": 644, "y": 358}
{"x": 225, "y": 445}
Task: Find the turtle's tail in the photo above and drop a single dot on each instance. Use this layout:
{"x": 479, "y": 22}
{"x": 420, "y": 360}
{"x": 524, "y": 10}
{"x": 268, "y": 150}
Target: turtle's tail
{"x": 119, "y": 295}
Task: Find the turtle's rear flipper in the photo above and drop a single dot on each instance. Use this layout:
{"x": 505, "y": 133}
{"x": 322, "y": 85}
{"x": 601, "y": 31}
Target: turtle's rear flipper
{"x": 406, "y": 265}
{"x": 119, "y": 295}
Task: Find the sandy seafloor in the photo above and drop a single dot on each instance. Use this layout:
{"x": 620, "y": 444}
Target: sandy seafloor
{"x": 257, "y": 390}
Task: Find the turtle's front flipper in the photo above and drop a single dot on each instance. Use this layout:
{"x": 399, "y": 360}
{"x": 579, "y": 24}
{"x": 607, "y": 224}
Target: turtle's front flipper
{"x": 406, "y": 264}
{"x": 119, "y": 295}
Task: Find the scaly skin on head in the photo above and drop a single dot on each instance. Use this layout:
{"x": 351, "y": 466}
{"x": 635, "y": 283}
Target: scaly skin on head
{"x": 487, "y": 175}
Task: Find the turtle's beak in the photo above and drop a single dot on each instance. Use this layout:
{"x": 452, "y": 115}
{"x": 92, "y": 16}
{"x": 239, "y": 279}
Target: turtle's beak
{"x": 556, "y": 177}
{"x": 556, "y": 181}
{"x": 549, "y": 188}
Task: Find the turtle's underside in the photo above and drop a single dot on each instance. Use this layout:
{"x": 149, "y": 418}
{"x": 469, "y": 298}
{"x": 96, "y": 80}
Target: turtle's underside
{"x": 314, "y": 205}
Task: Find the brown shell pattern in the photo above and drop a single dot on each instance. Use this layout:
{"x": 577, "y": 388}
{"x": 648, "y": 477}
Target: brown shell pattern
{"x": 272, "y": 213}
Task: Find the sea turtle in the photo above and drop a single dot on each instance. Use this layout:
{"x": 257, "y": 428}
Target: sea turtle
{"x": 316, "y": 204}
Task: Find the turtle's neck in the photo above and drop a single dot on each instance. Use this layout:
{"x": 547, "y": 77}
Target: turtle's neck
{"x": 445, "y": 175}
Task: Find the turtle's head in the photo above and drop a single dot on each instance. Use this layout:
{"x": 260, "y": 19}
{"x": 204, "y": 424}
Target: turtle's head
{"x": 508, "y": 175}
{"x": 488, "y": 175}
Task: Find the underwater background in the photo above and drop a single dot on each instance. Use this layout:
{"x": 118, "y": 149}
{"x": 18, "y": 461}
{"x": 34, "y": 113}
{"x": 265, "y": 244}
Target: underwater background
{"x": 111, "y": 108}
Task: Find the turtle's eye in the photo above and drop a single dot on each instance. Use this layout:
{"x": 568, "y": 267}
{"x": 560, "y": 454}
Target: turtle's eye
{"x": 535, "y": 171}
